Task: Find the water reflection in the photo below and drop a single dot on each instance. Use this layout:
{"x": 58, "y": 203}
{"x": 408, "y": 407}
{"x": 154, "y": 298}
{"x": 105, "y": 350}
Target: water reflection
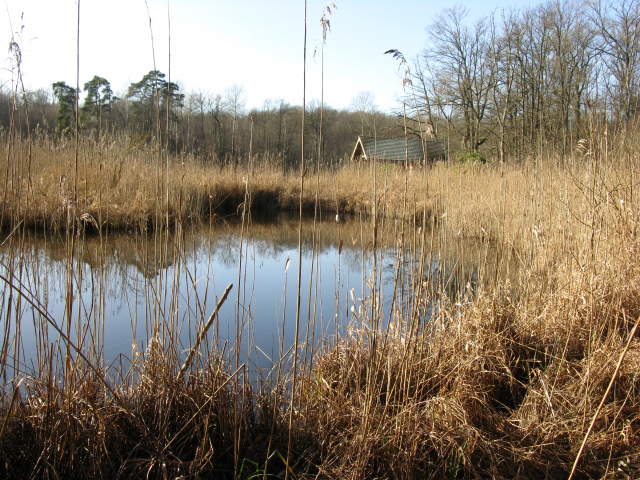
{"x": 119, "y": 290}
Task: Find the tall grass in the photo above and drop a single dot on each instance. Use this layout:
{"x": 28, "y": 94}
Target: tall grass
{"x": 505, "y": 362}
{"x": 117, "y": 187}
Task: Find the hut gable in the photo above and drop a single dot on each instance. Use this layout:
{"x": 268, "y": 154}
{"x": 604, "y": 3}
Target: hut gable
{"x": 395, "y": 150}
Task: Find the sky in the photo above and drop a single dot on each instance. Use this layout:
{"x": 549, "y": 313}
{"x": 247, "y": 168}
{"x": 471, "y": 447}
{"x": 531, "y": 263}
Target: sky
{"x": 210, "y": 45}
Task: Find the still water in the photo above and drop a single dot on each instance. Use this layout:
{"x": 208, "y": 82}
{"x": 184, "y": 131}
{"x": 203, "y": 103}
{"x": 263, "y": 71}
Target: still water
{"x": 117, "y": 291}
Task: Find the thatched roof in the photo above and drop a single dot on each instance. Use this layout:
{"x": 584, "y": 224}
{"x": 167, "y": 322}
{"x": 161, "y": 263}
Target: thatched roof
{"x": 395, "y": 150}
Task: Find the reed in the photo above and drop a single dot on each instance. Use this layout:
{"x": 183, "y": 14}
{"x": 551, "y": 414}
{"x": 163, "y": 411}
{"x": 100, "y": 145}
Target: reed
{"x": 514, "y": 373}
{"x": 118, "y": 187}
{"x": 500, "y": 354}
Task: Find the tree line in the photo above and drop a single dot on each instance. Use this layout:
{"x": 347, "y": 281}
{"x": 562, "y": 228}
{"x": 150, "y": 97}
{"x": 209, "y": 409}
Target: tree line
{"x": 213, "y": 127}
{"x": 510, "y": 83}
{"x": 520, "y": 79}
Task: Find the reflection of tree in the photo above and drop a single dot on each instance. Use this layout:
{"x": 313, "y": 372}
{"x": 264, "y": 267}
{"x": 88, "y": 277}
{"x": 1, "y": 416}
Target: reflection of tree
{"x": 151, "y": 267}
{"x": 111, "y": 270}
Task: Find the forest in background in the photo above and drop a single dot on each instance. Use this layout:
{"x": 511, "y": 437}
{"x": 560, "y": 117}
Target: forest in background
{"x": 510, "y": 84}
{"x": 530, "y": 80}
{"x": 508, "y": 349}
{"x": 212, "y": 127}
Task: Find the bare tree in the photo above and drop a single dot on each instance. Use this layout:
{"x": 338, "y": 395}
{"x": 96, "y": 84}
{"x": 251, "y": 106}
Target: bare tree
{"x": 319, "y": 119}
{"x": 571, "y": 46}
{"x": 618, "y": 27}
{"x": 364, "y": 104}
{"x": 503, "y": 52}
{"x": 42, "y": 109}
{"x": 235, "y": 98}
{"x": 433, "y": 102}
{"x": 532, "y": 76}
{"x": 461, "y": 59}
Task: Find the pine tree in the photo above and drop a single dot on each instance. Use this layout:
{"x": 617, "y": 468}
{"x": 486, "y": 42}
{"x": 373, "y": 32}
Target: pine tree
{"x": 66, "y": 96}
{"x": 96, "y": 103}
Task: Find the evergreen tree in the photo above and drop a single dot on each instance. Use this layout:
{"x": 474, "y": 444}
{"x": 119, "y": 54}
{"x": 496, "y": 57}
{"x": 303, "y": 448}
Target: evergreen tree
{"x": 66, "y": 96}
{"x": 145, "y": 102}
{"x": 97, "y": 102}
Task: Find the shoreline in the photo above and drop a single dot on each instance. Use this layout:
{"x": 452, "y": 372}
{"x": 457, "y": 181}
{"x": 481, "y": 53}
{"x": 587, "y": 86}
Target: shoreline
{"x": 502, "y": 383}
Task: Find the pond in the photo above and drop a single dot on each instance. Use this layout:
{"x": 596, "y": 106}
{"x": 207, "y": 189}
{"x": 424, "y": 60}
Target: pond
{"x": 118, "y": 292}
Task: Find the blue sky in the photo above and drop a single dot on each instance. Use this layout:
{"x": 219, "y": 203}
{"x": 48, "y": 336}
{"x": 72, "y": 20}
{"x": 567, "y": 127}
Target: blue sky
{"x": 257, "y": 44}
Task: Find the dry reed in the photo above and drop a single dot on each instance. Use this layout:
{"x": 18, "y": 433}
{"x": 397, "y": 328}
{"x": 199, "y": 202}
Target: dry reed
{"x": 500, "y": 377}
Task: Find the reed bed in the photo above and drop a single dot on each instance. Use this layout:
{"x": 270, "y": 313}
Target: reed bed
{"x": 120, "y": 187}
{"x": 527, "y": 369}
{"x": 501, "y": 387}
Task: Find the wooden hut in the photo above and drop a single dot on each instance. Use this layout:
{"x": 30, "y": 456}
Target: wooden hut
{"x": 396, "y": 150}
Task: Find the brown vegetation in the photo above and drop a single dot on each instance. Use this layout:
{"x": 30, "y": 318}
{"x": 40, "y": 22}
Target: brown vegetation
{"x": 501, "y": 381}
{"x": 526, "y": 369}
{"x": 121, "y": 187}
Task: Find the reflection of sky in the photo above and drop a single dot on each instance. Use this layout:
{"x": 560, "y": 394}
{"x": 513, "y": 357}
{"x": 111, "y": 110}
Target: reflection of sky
{"x": 122, "y": 287}
{"x": 262, "y": 291}
{"x": 124, "y": 293}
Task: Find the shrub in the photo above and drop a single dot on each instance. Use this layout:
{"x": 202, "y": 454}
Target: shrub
{"x": 472, "y": 157}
